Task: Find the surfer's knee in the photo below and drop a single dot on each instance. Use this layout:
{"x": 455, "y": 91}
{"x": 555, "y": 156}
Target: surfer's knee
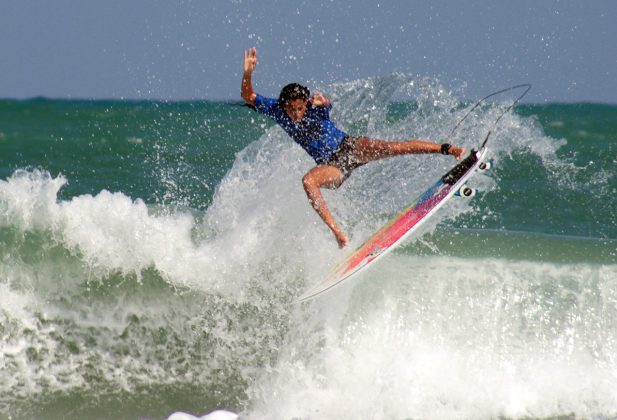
{"x": 311, "y": 187}
{"x": 322, "y": 177}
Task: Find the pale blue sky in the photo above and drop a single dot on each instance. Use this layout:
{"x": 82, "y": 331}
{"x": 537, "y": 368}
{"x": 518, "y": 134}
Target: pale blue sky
{"x": 181, "y": 49}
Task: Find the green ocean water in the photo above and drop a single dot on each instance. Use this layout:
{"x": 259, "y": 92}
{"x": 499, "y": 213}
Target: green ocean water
{"x": 150, "y": 253}
{"x": 134, "y": 147}
{"x": 177, "y": 153}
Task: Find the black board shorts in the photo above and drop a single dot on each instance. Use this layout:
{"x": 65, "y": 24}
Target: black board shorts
{"x": 343, "y": 158}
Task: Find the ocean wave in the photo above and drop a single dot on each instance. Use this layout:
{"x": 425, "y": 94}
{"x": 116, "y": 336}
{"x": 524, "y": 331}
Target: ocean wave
{"x": 107, "y": 298}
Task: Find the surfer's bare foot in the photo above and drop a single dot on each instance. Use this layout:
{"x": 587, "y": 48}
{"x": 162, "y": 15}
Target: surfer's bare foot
{"x": 457, "y": 152}
{"x": 341, "y": 239}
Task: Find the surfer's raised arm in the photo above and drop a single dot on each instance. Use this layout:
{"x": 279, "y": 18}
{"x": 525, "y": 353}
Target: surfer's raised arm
{"x": 250, "y": 62}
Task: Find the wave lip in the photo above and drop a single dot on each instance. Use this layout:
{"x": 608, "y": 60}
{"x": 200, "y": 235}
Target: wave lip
{"x": 110, "y": 232}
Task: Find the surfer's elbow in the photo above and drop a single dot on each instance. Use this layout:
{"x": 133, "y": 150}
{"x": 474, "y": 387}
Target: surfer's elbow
{"x": 249, "y": 97}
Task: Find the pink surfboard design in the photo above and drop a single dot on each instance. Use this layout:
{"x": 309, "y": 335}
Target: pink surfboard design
{"x": 401, "y": 226}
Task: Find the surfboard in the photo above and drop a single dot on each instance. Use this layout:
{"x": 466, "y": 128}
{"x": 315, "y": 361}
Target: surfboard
{"x": 404, "y": 224}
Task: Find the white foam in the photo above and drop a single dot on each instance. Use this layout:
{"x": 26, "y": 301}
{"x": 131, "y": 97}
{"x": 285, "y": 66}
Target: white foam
{"x": 113, "y": 233}
{"x": 450, "y": 338}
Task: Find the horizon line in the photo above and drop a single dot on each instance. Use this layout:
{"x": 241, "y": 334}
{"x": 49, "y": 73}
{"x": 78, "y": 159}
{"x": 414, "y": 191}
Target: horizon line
{"x": 186, "y": 100}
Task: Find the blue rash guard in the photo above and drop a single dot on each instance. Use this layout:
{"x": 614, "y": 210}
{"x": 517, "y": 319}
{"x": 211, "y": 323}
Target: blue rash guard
{"x": 316, "y": 133}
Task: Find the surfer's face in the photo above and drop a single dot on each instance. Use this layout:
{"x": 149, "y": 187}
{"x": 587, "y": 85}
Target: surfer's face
{"x": 295, "y": 109}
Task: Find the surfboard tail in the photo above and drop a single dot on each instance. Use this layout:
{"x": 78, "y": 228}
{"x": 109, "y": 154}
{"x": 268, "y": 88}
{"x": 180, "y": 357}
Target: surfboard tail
{"x": 456, "y": 173}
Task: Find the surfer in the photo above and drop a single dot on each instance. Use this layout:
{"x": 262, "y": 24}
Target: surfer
{"x": 306, "y": 119}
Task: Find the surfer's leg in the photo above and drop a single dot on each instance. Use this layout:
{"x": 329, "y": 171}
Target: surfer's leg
{"x": 324, "y": 176}
{"x": 366, "y": 149}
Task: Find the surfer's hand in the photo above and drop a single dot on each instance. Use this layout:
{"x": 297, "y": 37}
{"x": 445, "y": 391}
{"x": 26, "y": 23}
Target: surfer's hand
{"x": 250, "y": 60}
{"x": 319, "y": 99}
{"x": 457, "y": 152}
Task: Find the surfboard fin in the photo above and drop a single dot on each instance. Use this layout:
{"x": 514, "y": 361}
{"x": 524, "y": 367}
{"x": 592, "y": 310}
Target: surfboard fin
{"x": 466, "y": 191}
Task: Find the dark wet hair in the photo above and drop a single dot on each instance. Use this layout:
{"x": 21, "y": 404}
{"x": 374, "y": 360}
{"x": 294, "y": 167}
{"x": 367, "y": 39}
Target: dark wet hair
{"x": 292, "y": 92}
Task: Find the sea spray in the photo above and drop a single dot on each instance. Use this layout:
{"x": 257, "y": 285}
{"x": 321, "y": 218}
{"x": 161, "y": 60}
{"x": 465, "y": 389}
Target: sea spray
{"x": 127, "y": 293}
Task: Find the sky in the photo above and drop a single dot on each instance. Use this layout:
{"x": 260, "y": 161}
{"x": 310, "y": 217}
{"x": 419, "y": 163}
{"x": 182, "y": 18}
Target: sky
{"x": 182, "y": 49}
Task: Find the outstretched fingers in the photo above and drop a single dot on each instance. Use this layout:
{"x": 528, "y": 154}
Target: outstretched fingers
{"x": 250, "y": 59}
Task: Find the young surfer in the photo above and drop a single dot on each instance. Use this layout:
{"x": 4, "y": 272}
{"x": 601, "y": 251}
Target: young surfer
{"x": 306, "y": 119}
